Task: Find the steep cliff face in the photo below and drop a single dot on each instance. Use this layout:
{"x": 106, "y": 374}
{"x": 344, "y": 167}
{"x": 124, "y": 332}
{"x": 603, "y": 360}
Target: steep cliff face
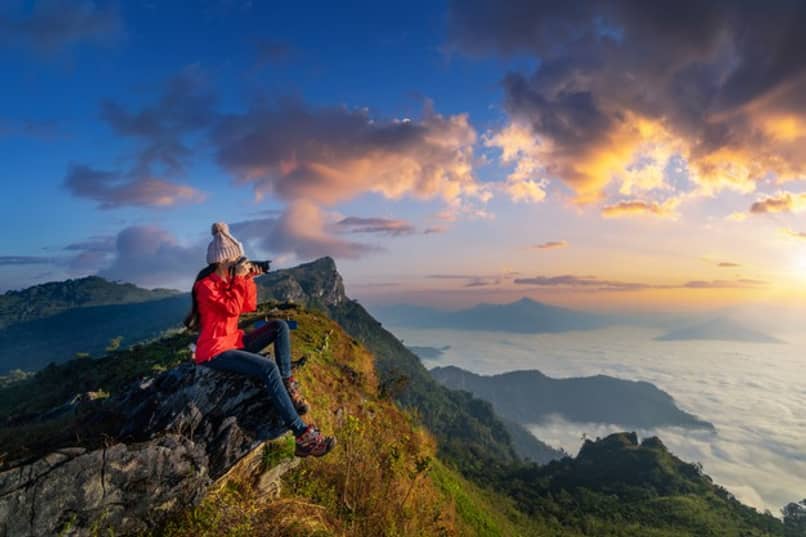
{"x": 314, "y": 285}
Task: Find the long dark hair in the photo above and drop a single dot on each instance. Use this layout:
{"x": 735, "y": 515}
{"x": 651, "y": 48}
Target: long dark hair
{"x": 192, "y": 318}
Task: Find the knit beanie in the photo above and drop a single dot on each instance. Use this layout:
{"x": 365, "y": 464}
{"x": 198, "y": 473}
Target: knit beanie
{"x": 223, "y": 246}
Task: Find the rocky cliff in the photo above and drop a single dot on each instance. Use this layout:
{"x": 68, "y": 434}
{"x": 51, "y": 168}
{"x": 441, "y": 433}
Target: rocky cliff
{"x": 131, "y": 459}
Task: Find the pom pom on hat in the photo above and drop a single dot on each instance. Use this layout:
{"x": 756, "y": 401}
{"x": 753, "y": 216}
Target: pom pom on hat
{"x": 223, "y": 246}
{"x": 220, "y": 227}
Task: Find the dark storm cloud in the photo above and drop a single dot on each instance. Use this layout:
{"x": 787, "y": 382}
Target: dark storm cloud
{"x": 723, "y": 83}
{"x": 111, "y": 190}
{"x": 52, "y": 25}
{"x": 383, "y": 226}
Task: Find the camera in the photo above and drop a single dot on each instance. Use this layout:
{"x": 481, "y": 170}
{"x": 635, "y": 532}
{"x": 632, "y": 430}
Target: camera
{"x": 264, "y": 265}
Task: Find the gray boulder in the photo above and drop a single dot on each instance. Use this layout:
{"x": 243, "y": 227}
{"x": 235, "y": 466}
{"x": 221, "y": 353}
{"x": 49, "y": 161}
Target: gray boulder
{"x": 144, "y": 454}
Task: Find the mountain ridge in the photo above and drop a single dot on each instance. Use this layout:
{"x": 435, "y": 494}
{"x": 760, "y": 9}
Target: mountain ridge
{"x": 521, "y": 316}
{"x": 529, "y": 396}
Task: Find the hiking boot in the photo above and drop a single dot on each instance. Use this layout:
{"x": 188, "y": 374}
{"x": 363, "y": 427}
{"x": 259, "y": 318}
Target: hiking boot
{"x": 300, "y": 404}
{"x": 312, "y": 442}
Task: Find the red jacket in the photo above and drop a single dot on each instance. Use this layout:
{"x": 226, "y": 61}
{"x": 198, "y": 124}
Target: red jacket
{"x": 220, "y": 304}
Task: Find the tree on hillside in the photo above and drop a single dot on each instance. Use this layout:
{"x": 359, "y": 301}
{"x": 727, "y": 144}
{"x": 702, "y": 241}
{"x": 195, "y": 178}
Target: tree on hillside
{"x": 795, "y": 519}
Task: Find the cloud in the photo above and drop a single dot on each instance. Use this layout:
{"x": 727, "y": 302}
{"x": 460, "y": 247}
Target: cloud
{"x": 518, "y": 146}
{"x": 304, "y": 230}
{"x": 434, "y": 229}
{"x": 782, "y": 202}
{"x": 54, "y": 25}
{"x": 736, "y": 217}
{"x": 111, "y": 190}
{"x": 384, "y": 226}
{"x": 97, "y": 243}
{"x": 328, "y": 155}
{"x": 185, "y": 106}
{"x": 758, "y": 446}
{"x": 595, "y": 284}
{"x": 728, "y": 264}
{"x": 622, "y": 89}
{"x": 151, "y": 256}
{"x": 36, "y": 129}
{"x": 640, "y": 208}
{"x": 569, "y": 280}
{"x": 551, "y": 245}
{"x": 474, "y": 280}
{"x": 6, "y": 260}
{"x": 795, "y": 234}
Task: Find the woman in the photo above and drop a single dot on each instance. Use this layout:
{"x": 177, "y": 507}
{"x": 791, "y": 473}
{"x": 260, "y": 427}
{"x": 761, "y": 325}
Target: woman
{"x": 222, "y": 291}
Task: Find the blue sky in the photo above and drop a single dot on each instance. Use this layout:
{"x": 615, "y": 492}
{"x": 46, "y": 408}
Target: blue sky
{"x": 519, "y": 149}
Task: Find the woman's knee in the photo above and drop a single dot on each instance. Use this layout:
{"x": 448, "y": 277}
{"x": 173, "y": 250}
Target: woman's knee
{"x": 280, "y": 326}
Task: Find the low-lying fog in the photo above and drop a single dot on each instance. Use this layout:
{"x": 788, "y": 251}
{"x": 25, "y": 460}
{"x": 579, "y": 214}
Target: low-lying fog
{"x": 754, "y": 393}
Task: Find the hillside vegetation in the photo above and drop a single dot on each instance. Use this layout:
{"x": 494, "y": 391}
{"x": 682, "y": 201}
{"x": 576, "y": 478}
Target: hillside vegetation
{"x": 388, "y": 476}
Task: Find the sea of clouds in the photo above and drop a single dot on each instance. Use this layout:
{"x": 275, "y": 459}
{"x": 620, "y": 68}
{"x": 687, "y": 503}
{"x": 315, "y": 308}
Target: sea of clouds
{"x": 754, "y": 393}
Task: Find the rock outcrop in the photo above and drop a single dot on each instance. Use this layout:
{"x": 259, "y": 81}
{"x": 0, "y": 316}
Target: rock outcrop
{"x": 317, "y": 285}
{"x": 155, "y": 448}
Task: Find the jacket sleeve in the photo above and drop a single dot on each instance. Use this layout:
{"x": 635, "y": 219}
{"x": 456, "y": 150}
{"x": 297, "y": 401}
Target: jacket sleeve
{"x": 227, "y": 300}
{"x": 250, "y": 300}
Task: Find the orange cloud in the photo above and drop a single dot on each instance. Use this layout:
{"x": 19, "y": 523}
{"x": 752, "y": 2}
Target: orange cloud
{"x": 782, "y": 202}
{"x": 550, "y": 245}
{"x": 603, "y": 119}
{"x": 640, "y": 208}
{"x": 329, "y": 155}
{"x": 795, "y": 234}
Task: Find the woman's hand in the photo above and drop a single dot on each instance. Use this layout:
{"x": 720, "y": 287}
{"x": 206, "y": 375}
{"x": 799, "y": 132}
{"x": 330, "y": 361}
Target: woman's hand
{"x": 255, "y": 270}
{"x": 243, "y": 269}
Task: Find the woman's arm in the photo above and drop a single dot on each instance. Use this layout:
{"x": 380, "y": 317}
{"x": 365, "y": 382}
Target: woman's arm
{"x": 227, "y": 300}
{"x": 250, "y": 300}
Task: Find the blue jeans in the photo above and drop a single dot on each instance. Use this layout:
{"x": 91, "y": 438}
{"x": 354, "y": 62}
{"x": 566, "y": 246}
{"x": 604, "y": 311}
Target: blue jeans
{"x": 247, "y": 362}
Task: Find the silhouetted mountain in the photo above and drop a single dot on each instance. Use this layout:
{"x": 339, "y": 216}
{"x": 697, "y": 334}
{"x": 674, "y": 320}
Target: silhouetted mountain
{"x": 50, "y": 298}
{"x": 522, "y": 316}
{"x": 31, "y": 345}
{"x": 721, "y": 329}
{"x": 530, "y": 397}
